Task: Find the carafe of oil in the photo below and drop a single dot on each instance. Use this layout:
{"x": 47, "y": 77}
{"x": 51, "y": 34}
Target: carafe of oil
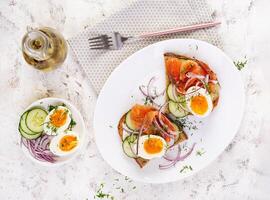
{"x": 44, "y": 48}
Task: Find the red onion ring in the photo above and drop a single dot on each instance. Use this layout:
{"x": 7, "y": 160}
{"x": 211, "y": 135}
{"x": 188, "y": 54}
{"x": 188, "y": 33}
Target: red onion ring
{"x": 188, "y": 81}
{"x": 177, "y": 155}
{"x": 192, "y": 75}
{"x": 167, "y": 166}
{"x": 142, "y": 91}
{"x": 148, "y": 93}
{"x": 149, "y": 85}
{"x": 161, "y": 121}
{"x": 186, "y": 93}
{"x": 39, "y": 148}
{"x": 178, "y": 158}
{"x": 163, "y": 133}
{"x": 140, "y": 133}
{"x": 159, "y": 94}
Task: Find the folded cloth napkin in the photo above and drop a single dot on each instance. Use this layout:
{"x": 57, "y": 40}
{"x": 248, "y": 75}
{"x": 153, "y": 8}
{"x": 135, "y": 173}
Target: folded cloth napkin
{"x": 139, "y": 17}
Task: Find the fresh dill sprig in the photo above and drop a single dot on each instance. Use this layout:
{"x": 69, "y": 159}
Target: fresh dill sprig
{"x": 200, "y": 152}
{"x": 148, "y": 101}
{"x": 186, "y": 168}
{"x": 101, "y": 195}
{"x": 51, "y": 107}
{"x": 72, "y": 124}
{"x": 240, "y": 64}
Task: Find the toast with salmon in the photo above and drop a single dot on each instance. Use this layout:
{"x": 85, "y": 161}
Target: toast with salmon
{"x": 146, "y": 121}
{"x": 186, "y": 76}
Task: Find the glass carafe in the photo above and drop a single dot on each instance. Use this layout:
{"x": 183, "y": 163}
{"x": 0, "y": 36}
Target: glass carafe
{"x": 44, "y": 48}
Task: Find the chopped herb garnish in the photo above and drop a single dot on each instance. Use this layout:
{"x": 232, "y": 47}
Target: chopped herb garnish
{"x": 240, "y": 64}
{"x": 122, "y": 190}
{"x": 72, "y": 124}
{"x": 111, "y": 126}
{"x": 51, "y": 107}
{"x": 54, "y": 129}
{"x": 190, "y": 125}
{"x": 200, "y": 152}
{"x": 134, "y": 187}
{"x": 186, "y": 168}
{"x": 147, "y": 101}
{"x": 101, "y": 195}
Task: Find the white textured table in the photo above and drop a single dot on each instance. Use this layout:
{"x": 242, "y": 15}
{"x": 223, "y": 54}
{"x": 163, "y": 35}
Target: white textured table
{"x": 241, "y": 172}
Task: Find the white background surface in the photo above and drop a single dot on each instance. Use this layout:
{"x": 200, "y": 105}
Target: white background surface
{"x": 241, "y": 172}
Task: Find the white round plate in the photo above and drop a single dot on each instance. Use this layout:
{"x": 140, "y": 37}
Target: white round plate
{"x": 120, "y": 93}
{"x": 79, "y": 128}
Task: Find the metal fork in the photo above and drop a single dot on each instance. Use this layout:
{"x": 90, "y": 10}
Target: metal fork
{"x": 115, "y": 40}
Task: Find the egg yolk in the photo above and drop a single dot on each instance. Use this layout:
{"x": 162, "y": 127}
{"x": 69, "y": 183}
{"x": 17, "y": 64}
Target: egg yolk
{"x": 153, "y": 145}
{"x": 199, "y": 104}
{"x": 68, "y": 142}
{"x": 59, "y": 118}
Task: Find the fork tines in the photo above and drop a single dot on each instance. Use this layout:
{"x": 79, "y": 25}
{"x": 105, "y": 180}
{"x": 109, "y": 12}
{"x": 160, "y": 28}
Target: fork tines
{"x": 100, "y": 42}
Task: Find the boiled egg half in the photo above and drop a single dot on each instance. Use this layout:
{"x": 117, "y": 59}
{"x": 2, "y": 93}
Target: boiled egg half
{"x": 64, "y": 143}
{"x": 57, "y": 121}
{"x": 151, "y": 146}
{"x": 199, "y": 101}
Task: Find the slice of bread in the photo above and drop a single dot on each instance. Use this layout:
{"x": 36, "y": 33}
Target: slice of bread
{"x": 214, "y": 90}
{"x": 141, "y": 161}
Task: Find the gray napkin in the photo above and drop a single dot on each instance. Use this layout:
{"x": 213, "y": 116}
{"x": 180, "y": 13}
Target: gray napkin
{"x": 140, "y": 17}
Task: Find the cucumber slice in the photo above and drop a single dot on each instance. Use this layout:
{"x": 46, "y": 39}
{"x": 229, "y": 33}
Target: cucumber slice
{"x": 129, "y": 122}
{"x": 29, "y": 137}
{"x": 180, "y": 98}
{"x": 176, "y": 110}
{"x": 23, "y": 126}
{"x": 35, "y": 119}
{"x": 127, "y": 146}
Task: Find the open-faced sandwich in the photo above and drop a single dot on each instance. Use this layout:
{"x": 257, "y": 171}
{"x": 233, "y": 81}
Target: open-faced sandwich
{"x": 146, "y": 133}
{"x": 192, "y": 87}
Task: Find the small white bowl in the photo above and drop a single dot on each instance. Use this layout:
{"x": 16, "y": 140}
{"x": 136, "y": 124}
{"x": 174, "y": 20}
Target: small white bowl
{"x": 79, "y": 129}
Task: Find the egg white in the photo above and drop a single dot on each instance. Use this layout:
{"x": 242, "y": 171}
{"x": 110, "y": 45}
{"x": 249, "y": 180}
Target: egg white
{"x": 142, "y": 153}
{"x": 49, "y": 129}
{"x": 54, "y": 144}
{"x": 195, "y": 91}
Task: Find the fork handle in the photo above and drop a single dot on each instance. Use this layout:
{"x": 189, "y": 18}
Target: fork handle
{"x": 181, "y": 29}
